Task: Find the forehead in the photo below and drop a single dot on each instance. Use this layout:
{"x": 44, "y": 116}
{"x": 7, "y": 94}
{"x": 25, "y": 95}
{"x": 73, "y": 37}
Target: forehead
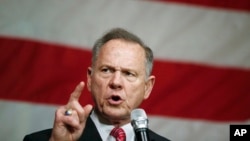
{"x": 123, "y": 54}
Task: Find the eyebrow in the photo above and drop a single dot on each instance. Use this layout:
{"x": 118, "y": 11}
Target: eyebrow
{"x": 115, "y": 68}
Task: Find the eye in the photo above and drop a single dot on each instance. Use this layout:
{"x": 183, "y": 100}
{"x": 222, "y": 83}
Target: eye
{"x": 105, "y": 70}
{"x": 128, "y": 73}
{"x": 131, "y": 76}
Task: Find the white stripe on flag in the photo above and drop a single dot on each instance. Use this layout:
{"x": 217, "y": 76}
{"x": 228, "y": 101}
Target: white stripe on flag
{"x": 18, "y": 119}
{"x": 178, "y": 129}
{"x": 178, "y": 32}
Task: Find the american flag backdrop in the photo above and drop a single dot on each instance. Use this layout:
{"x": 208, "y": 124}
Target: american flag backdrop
{"x": 202, "y": 61}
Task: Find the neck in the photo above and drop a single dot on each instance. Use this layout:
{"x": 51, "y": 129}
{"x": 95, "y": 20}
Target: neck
{"x": 111, "y": 121}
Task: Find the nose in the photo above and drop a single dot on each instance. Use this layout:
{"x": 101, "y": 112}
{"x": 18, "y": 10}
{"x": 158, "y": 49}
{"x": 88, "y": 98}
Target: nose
{"x": 116, "y": 81}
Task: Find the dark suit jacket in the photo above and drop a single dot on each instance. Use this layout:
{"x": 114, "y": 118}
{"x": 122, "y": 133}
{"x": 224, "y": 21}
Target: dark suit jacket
{"x": 90, "y": 133}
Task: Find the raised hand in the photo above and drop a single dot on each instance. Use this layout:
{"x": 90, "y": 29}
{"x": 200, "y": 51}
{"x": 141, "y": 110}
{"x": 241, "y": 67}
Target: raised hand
{"x": 69, "y": 127}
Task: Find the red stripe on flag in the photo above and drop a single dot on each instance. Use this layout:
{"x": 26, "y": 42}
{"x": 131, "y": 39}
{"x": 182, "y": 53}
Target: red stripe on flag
{"x": 47, "y": 73}
{"x": 242, "y": 5}
{"x": 40, "y": 72}
{"x": 198, "y": 91}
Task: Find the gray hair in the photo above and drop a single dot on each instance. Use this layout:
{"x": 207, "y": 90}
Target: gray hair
{"x": 119, "y": 33}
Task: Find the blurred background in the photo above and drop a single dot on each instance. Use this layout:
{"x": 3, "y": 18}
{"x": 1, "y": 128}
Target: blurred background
{"x": 202, "y": 61}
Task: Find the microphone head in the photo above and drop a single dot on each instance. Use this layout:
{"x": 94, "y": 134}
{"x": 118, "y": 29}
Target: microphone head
{"x": 139, "y": 119}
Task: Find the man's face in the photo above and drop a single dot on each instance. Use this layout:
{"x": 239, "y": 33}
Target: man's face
{"x": 118, "y": 81}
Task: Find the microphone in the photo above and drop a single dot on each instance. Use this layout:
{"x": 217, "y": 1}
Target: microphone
{"x": 139, "y": 122}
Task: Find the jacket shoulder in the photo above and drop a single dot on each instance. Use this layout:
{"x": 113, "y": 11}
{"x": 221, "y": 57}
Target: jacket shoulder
{"x": 89, "y": 133}
{"x": 43, "y": 135}
{"x": 156, "y": 137}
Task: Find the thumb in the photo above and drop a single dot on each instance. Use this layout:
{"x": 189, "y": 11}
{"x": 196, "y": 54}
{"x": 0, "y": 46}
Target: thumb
{"x": 87, "y": 109}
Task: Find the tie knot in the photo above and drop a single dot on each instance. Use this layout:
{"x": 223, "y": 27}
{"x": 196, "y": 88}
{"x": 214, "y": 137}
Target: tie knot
{"x": 119, "y": 134}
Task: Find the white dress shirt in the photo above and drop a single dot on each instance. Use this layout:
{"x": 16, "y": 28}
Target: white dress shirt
{"x": 104, "y": 129}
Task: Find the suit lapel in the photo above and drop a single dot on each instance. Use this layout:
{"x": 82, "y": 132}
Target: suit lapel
{"x": 90, "y": 132}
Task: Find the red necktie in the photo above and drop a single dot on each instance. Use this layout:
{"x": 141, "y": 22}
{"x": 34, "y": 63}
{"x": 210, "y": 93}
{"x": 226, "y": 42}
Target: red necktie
{"x": 119, "y": 134}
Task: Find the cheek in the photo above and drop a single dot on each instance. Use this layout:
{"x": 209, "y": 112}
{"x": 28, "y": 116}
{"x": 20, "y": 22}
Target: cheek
{"x": 135, "y": 98}
{"x": 98, "y": 89}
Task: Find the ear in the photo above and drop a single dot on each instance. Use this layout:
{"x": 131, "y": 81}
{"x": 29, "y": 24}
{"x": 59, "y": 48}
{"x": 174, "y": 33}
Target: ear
{"x": 89, "y": 73}
{"x": 149, "y": 86}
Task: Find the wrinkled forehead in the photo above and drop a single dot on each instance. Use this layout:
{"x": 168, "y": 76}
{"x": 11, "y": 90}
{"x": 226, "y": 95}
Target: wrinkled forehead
{"x": 121, "y": 52}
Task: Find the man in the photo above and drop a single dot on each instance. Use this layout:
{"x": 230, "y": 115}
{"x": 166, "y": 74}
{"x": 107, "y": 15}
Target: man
{"x": 119, "y": 79}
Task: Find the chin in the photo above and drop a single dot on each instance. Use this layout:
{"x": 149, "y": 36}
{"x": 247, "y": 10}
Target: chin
{"x": 116, "y": 112}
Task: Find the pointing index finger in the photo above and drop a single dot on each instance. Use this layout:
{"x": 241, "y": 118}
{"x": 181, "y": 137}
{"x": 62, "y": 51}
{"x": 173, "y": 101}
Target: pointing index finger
{"x": 75, "y": 95}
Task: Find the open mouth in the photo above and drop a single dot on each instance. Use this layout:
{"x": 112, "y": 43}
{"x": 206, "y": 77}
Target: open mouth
{"x": 116, "y": 98}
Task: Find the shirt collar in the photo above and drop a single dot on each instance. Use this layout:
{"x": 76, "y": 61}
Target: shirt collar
{"x": 105, "y": 129}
